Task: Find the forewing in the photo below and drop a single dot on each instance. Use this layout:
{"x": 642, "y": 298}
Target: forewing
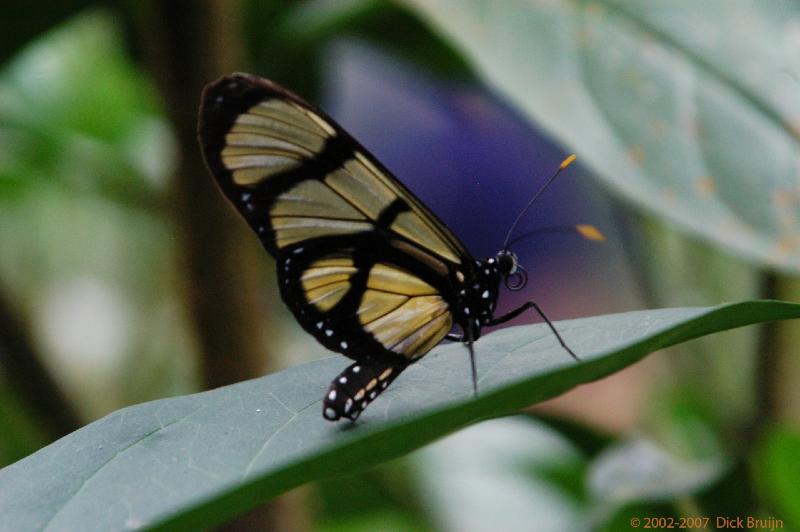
{"x": 294, "y": 174}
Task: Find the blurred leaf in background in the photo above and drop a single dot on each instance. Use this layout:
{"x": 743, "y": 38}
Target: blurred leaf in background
{"x": 80, "y": 113}
{"x": 489, "y": 477}
{"x": 688, "y": 109}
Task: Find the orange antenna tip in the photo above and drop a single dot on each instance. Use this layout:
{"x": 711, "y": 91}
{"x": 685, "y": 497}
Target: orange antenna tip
{"x": 590, "y": 232}
{"x": 568, "y": 161}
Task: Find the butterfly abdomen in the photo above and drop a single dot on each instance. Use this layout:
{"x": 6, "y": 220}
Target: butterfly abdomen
{"x": 356, "y": 387}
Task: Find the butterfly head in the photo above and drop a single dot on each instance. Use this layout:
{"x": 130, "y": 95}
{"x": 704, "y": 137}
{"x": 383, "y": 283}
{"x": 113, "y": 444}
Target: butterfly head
{"x": 514, "y": 275}
{"x": 477, "y": 298}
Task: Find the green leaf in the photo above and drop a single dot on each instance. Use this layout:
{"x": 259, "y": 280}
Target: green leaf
{"x": 689, "y": 109}
{"x": 196, "y": 460}
{"x": 776, "y": 472}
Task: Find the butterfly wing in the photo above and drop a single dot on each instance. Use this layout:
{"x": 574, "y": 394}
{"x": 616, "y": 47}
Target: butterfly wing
{"x": 364, "y": 266}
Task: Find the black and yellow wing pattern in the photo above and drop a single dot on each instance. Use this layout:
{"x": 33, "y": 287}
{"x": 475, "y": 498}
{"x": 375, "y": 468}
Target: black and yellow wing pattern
{"x": 364, "y": 266}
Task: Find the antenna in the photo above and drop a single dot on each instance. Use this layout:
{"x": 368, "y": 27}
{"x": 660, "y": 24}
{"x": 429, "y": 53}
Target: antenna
{"x": 566, "y": 162}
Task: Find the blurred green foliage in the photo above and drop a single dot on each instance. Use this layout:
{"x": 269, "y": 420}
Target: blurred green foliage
{"x": 77, "y": 112}
{"x": 776, "y": 468}
{"x": 82, "y": 178}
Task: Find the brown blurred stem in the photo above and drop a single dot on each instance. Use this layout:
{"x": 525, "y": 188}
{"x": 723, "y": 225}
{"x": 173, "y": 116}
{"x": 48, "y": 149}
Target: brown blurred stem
{"x": 186, "y": 44}
{"x": 29, "y": 379}
{"x": 766, "y": 367}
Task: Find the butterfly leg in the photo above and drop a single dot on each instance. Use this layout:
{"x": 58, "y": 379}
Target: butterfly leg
{"x": 356, "y": 387}
{"x": 474, "y": 369}
{"x": 530, "y": 304}
{"x": 468, "y": 333}
{"x": 453, "y": 337}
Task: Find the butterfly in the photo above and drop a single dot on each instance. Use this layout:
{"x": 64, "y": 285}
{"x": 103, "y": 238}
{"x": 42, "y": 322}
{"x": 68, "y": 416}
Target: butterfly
{"x": 364, "y": 266}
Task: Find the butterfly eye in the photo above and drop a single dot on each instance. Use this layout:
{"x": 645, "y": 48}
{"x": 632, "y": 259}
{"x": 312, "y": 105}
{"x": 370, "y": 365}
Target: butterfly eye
{"x": 507, "y": 263}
